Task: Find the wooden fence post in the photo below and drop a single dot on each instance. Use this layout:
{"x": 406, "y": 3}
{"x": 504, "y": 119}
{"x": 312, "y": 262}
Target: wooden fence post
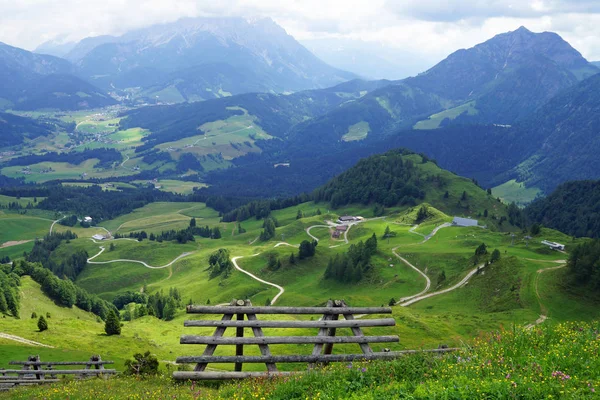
{"x": 239, "y": 332}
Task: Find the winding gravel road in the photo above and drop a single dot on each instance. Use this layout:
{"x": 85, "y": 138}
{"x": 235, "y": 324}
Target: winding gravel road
{"x": 462, "y": 283}
{"x": 102, "y": 249}
{"x": 281, "y": 289}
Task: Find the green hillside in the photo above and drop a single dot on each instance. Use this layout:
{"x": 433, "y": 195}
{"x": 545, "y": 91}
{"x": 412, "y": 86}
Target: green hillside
{"x": 513, "y": 281}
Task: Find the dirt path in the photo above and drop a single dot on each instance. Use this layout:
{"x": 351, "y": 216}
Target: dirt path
{"x": 102, "y": 249}
{"x": 286, "y": 244}
{"x": 23, "y": 340}
{"x": 54, "y": 223}
{"x": 315, "y": 226}
{"x": 14, "y": 243}
{"x": 427, "y": 280}
{"x": 281, "y": 289}
{"x": 463, "y": 282}
{"x": 406, "y": 301}
{"x": 544, "y": 311}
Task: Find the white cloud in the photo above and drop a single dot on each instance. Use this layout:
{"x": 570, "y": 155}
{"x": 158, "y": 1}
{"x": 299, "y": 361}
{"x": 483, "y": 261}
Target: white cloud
{"x": 429, "y": 28}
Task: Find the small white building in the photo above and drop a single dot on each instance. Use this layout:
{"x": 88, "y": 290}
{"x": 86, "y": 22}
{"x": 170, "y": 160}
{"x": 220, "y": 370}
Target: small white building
{"x": 98, "y": 237}
{"x": 554, "y": 245}
{"x": 458, "y": 221}
{"x": 87, "y": 219}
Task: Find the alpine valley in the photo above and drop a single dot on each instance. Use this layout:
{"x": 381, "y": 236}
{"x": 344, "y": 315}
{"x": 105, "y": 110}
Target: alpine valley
{"x": 211, "y": 159}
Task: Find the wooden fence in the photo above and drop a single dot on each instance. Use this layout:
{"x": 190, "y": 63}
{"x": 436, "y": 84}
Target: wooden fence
{"x": 246, "y": 317}
{"x": 34, "y": 371}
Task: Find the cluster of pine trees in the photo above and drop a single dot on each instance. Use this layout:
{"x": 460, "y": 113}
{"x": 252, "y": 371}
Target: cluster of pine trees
{"x": 220, "y": 263}
{"x": 352, "y": 266}
{"x": 9, "y": 291}
{"x": 307, "y": 249}
{"x": 182, "y": 236}
{"x": 42, "y": 251}
{"x": 160, "y": 305}
{"x": 387, "y": 179}
{"x": 63, "y": 291}
{"x": 69, "y": 221}
{"x": 260, "y": 209}
{"x": 268, "y": 231}
{"x": 13, "y": 205}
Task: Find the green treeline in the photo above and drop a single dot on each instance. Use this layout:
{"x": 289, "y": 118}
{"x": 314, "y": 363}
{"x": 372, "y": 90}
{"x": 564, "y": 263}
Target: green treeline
{"x": 260, "y": 209}
{"x": 106, "y": 157}
{"x": 182, "y": 236}
{"x": 584, "y": 264}
{"x": 63, "y": 292}
{"x": 573, "y": 208}
{"x": 352, "y": 266}
{"x": 387, "y": 179}
{"x": 42, "y": 253}
{"x": 9, "y": 291}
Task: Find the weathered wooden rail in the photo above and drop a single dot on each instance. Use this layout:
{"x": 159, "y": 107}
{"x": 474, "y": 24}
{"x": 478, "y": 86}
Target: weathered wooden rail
{"x": 323, "y": 342}
{"x": 34, "y": 371}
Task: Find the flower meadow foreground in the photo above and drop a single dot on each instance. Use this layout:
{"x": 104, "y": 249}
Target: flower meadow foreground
{"x": 550, "y": 362}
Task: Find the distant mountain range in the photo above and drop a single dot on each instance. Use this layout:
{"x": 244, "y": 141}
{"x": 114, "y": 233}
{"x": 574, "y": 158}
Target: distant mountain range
{"x": 201, "y": 58}
{"x": 521, "y": 105}
{"x": 33, "y": 81}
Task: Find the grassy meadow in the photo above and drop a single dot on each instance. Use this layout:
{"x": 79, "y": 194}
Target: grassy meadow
{"x": 510, "y": 292}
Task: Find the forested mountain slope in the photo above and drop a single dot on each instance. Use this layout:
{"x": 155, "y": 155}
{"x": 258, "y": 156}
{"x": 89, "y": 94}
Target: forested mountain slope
{"x": 13, "y": 129}
{"x": 33, "y": 81}
{"x": 567, "y": 132}
{"x": 573, "y": 208}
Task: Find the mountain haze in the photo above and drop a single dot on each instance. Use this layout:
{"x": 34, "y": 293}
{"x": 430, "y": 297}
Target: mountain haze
{"x": 33, "y": 81}
{"x": 202, "y": 58}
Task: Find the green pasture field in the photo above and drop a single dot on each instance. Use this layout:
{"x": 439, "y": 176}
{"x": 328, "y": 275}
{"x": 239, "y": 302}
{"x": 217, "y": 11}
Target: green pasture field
{"x": 218, "y": 138}
{"x": 357, "y": 131}
{"x": 434, "y": 121}
{"x": 16, "y": 251}
{"x": 175, "y": 186}
{"x": 62, "y": 171}
{"x": 515, "y": 192}
{"x": 16, "y": 227}
{"x": 156, "y": 217}
{"x": 91, "y": 126}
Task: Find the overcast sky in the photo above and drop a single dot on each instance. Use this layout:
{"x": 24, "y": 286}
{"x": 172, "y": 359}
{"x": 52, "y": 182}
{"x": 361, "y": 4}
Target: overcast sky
{"x": 429, "y": 29}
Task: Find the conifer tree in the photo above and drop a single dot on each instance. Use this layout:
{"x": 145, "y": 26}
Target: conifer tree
{"x": 112, "y": 326}
{"x": 42, "y": 324}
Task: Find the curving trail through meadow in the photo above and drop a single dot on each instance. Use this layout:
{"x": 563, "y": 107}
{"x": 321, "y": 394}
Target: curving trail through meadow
{"x": 102, "y": 249}
{"x": 407, "y": 301}
{"x": 460, "y": 284}
{"x": 544, "y": 311}
{"x": 427, "y": 280}
{"x": 280, "y": 288}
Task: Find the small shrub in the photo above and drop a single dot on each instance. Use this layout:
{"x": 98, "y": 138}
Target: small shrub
{"x": 33, "y": 315}
{"x": 142, "y": 364}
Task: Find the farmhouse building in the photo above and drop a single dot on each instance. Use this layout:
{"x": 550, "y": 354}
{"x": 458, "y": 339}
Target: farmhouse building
{"x": 348, "y": 218}
{"x": 98, "y": 237}
{"x": 87, "y": 219}
{"x": 457, "y": 221}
